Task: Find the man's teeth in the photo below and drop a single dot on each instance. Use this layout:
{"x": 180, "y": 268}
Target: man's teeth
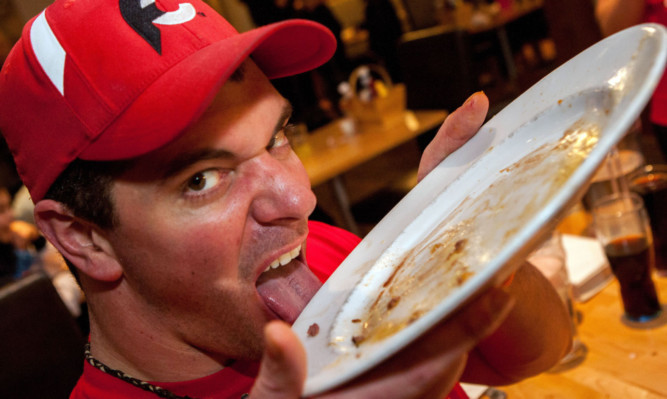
{"x": 284, "y": 259}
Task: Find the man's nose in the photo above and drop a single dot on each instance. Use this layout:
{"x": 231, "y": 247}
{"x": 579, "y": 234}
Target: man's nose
{"x": 283, "y": 190}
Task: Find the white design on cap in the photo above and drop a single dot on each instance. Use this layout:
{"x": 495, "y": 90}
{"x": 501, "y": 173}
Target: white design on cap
{"x": 185, "y": 13}
{"x": 50, "y": 54}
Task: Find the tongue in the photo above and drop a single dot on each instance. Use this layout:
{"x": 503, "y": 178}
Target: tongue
{"x": 287, "y": 289}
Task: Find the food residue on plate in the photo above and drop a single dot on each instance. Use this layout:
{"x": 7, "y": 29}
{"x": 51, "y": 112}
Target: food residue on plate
{"x": 313, "y": 330}
{"x": 459, "y": 245}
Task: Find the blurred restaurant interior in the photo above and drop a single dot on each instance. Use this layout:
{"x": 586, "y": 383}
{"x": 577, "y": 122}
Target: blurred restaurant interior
{"x": 361, "y": 122}
{"x": 431, "y": 55}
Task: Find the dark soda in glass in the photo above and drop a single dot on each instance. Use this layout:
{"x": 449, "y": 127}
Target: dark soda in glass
{"x": 651, "y": 183}
{"x": 630, "y": 260}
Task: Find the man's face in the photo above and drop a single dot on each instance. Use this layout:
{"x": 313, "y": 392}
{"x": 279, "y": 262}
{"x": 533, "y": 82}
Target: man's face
{"x": 202, "y": 218}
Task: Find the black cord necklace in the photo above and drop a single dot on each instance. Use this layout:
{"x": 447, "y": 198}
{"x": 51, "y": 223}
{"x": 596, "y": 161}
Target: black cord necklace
{"x": 159, "y": 391}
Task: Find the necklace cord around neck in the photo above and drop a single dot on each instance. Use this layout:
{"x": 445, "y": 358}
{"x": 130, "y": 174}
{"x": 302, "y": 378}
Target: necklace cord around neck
{"x": 161, "y": 392}
{"x": 146, "y": 386}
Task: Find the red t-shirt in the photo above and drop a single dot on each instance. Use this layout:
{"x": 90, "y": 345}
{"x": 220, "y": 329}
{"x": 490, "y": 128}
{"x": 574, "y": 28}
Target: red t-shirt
{"x": 327, "y": 246}
{"x": 656, "y": 11}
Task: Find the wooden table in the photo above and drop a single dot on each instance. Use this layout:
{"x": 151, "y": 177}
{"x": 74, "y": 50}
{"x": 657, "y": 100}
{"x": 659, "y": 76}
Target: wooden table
{"x": 622, "y": 362}
{"x": 328, "y": 153}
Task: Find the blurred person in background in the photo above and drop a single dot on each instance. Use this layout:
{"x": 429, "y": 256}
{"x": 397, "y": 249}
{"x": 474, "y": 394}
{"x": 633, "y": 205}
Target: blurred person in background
{"x": 384, "y": 32}
{"x": 24, "y": 250}
{"x": 616, "y": 15}
{"x": 313, "y": 95}
{"x": 7, "y": 254}
{"x": 19, "y": 240}
{"x": 264, "y": 12}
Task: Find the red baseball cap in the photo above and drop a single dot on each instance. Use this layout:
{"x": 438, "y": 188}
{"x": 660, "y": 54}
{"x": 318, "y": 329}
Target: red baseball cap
{"x": 115, "y": 79}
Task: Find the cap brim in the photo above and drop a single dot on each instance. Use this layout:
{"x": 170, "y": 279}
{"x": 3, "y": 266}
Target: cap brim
{"x": 181, "y": 95}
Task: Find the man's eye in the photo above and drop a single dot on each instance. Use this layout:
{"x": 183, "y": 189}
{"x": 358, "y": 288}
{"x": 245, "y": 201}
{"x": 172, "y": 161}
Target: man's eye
{"x": 203, "y": 180}
{"x": 278, "y": 140}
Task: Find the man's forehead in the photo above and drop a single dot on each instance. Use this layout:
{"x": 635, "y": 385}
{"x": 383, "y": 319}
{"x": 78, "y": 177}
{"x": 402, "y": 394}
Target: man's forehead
{"x": 248, "y": 85}
{"x": 218, "y": 134}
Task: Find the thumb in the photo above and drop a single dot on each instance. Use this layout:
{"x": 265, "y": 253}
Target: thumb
{"x": 283, "y": 370}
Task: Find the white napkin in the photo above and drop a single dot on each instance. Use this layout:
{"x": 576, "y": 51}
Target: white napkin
{"x": 474, "y": 391}
{"x": 587, "y": 266}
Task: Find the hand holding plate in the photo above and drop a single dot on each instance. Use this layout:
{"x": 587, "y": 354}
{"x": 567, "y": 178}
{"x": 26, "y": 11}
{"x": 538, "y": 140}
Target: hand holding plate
{"x": 429, "y": 367}
{"x": 459, "y": 126}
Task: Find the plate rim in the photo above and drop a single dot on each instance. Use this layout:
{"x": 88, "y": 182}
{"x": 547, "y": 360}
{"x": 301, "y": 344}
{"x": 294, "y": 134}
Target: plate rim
{"x": 530, "y": 230}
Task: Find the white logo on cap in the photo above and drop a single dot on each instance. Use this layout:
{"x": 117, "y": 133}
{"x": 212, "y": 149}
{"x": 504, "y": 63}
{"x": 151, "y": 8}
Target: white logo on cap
{"x": 186, "y": 12}
{"x": 142, "y": 15}
{"x": 50, "y": 54}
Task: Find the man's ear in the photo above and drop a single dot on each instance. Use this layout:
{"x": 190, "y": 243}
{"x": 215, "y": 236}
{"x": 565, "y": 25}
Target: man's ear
{"x": 77, "y": 240}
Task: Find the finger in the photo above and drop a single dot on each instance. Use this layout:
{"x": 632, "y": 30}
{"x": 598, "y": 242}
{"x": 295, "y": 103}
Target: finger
{"x": 458, "y": 128}
{"x": 433, "y": 363}
{"x": 283, "y": 370}
{"x": 444, "y": 385}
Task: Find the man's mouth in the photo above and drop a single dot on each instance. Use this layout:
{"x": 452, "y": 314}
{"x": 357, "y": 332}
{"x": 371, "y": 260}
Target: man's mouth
{"x": 284, "y": 259}
{"x": 287, "y": 285}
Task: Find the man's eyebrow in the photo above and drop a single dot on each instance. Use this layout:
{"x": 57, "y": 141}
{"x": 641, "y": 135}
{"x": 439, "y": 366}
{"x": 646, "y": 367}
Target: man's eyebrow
{"x": 184, "y": 160}
{"x": 285, "y": 115}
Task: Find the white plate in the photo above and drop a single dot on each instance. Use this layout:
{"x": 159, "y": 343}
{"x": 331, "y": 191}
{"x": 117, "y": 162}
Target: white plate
{"x": 481, "y": 210}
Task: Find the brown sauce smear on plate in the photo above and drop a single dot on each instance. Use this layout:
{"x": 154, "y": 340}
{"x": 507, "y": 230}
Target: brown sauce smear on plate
{"x": 458, "y": 246}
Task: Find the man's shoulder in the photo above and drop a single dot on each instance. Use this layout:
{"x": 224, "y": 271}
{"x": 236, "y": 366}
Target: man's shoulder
{"x": 95, "y": 384}
{"x": 332, "y": 235}
{"x": 230, "y": 382}
{"x": 327, "y": 247}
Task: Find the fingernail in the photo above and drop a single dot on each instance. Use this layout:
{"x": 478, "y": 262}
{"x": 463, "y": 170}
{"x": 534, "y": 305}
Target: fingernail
{"x": 471, "y": 100}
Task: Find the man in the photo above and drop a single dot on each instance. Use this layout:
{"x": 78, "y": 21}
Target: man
{"x": 153, "y": 145}
{"x": 616, "y": 15}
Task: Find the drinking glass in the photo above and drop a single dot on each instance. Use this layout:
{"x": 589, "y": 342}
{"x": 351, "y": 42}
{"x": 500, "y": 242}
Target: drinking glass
{"x": 612, "y": 174}
{"x": 650, "y": 182}
{"x": 550, "y": 259}
{"x": 622, "y": 226}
